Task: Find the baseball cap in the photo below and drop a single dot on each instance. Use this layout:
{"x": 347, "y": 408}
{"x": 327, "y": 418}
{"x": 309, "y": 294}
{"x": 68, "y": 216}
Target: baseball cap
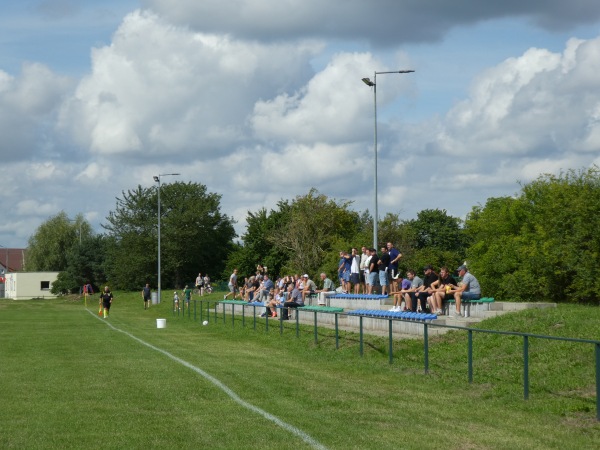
{"x": 305, "y": 276}
{"x": 428, "y": 267}
{"x": 463, "y": 267}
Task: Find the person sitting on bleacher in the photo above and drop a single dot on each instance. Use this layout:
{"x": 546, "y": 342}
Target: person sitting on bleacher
{"x": 294, "y": 301}
{"x": 266, "y": 287}
{"x": 404, "y": 284}
{"x": 273, "y": 301}
{"x": 426, "y": 290}
{"x": 468, "y": 289}
{"x": 328, "y": 289}
{"x": 442, "y": 286}
{"x": 410, "y": 295}
{"x": 309, "y": 287}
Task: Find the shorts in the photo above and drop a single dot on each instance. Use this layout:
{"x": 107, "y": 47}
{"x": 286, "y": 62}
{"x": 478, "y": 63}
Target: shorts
{"x": 362, "y": 277}
{"x": 231, "y": 288}
{"x": 383, "y": 280}
{"x": 372, "y": 278}
{"x": 470, "y": 296}
{"x": 354, "y": 278}
{"x": 346, "y": 276}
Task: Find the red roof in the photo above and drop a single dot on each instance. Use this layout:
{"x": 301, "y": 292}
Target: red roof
{"x": 15, "y": 257}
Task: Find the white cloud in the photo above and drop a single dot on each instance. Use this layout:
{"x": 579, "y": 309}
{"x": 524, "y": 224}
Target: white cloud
{"x": 163, "y": 90}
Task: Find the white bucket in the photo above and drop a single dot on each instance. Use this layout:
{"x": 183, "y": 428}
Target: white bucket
{"x": 161, "y": 323}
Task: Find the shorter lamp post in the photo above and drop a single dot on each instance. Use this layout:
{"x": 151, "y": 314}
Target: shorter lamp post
{"x": 157, "y": 180}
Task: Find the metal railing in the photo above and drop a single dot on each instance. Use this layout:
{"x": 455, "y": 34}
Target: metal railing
{"x": 216, "y": 317}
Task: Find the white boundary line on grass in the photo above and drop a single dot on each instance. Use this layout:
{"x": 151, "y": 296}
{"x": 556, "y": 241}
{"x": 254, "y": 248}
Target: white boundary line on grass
{"x": 236, "y": 398}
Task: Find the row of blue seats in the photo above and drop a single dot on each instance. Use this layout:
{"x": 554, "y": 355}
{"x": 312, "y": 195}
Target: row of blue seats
{"x": 359, "y": 296}
{"x": 392, "y": 314}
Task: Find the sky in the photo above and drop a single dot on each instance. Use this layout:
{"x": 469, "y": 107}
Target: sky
{"x": 262, "y": 100}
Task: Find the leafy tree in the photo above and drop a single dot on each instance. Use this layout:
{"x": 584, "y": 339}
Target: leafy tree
{"x": 542, "y": 245}
{"x": 433, "y": 238}
{"x": 48, "y": 247}
{"x": 257, "y": 248}
{"x": 195, "y": 236}
{"x": 314, "y": 225}
{"x": 85, "y": 264}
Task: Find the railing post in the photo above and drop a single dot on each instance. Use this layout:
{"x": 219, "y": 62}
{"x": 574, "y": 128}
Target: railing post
{"x": 360, "y": 322}
{"x": 233, "y": 315}
{"x": 224, "y": 318}
{"x": 337, "y": 334}
{"x": 254, "y": 315}
{"x": 280, "y": 324}
{"x": 390, "y": 342}
{"x": 217, "y": 313}
{"x": 297, "y": 325}
{"x": 525, "y": 367}
{"x": 243, "y": 316}
{"x": 195, "y": 310}
{"x": 597, "y": 381}
{"x": 426, "y": 347}
{"x": 470, "y": 357}
{"x": 316, "y": 334}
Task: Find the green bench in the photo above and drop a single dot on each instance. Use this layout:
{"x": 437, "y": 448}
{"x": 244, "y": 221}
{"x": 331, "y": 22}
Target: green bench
{"x": 233, "y": 302}
{"x": 321, "y": 308}
{"x": 479, "y": 300}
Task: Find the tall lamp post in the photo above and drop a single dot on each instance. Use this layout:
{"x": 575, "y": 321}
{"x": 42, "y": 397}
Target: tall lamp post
{"x": 373, "y": 84}
{"x": 157, "y": 180}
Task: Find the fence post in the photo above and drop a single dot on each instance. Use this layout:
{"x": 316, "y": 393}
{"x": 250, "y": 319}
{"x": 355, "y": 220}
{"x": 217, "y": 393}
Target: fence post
{"x": 233, "y": 315}
{"x": 280, "y": 324}
{"x": 426, "y": 346}
{"x": 337, "y": 335}
{"x": 470, "y": 356}
{"x": 223, "y": 312}
{"x": 360, "y": 322}
{"x": 254, "y": 315}
{"x": 390, "y": 344}
{"x": 525, "y": 367}
{"x": 597, "y": 381}
{"x": 316, "y": 335}
{"x": 297, "y": 325}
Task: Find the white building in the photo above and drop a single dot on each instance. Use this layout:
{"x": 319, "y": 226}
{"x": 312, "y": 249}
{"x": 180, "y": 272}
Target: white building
{"x": 26, "y": 285}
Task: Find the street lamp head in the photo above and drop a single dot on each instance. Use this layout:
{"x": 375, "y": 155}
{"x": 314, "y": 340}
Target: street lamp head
{"x": 405, "y": 71}
{"x": 368, "y": 82}
{"x": 156, "y": 178}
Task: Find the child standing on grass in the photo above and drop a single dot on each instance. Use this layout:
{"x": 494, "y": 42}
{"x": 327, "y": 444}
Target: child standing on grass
{"x": 176, "y": 302}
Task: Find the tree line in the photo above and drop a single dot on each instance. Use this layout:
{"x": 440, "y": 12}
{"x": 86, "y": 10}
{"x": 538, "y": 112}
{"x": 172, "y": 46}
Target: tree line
{"x": 539, "y": 245}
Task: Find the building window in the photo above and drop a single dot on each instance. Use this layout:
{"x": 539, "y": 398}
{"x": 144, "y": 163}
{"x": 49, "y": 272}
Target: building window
{"x": 45, "y": 285}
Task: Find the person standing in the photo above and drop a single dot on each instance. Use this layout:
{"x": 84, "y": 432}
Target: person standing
{"x": 187, "y": 295}
{"x": 382, "y": 266}
{"x": 147, "y": 295}
{"x": 395, "y": 256}
{"x": 232, "y": 285}
{"x": 200, "y": 284}
{"x": 106, "y": 298}
{"x": 373, "y": 271}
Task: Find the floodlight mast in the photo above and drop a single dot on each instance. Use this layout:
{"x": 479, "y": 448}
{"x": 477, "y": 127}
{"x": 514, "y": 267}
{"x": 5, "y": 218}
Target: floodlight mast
{"x": 157, "y": 180}
{"x": 373, "y": 84}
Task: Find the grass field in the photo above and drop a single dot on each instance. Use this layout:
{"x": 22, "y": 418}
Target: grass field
{"x": 69, "y": 380}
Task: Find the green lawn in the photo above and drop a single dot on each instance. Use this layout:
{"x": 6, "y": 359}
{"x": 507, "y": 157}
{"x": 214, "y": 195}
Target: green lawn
{"x": 67, "y": 380}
